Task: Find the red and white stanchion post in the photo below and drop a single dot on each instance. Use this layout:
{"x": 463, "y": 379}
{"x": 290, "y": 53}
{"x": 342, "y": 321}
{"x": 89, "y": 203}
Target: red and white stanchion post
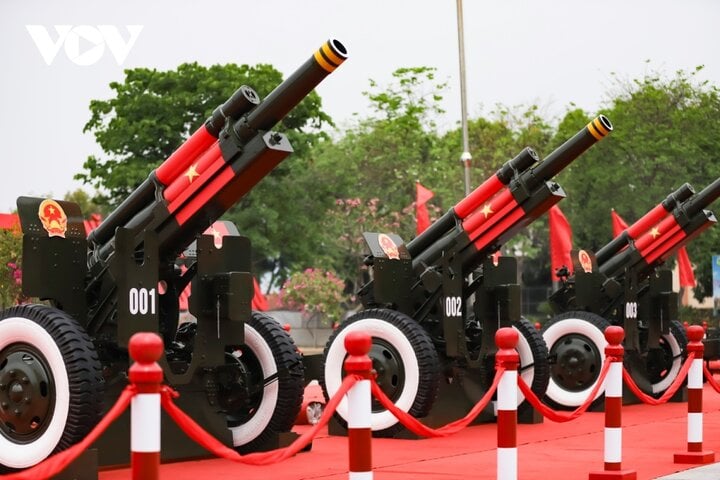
{"x": 695, "y": 453}
{"x": 614, "y": 353}
{"x": 359, "y": 399}
{"x": 507, "y": 357}
{"x": 147, "y": 376}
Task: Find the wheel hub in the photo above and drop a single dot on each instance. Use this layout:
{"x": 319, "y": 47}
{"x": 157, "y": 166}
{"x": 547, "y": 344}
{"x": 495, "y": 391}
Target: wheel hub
{"x": 26, "y": 405}
{"x": 235, "y": 395}
{"x": 388, "y": 365}
{"x": 578, "y": 362}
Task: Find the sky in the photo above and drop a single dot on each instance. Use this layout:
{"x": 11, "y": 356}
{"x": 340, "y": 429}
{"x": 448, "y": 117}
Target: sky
{"x": 552, "y": 53}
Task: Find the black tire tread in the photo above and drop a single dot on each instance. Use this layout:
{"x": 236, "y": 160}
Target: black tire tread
{"x": 81, "y": 362}
{"x": 290, "y": 377}
{"x": 425, "y": 352}
{"x": 541, "y": 364}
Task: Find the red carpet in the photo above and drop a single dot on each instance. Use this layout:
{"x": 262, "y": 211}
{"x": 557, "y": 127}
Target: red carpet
{"x": 568, "y": 451}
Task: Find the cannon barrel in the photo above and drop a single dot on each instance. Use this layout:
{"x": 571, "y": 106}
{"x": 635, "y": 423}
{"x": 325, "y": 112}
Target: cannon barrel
{"x": 703, "y": 199}
{"x": 242, "y": 101}
{"x": 562, "y": 156}
{"x": 289, "y": 93}
{"x": 645, "y": 222}
{"x": 229, "y": 167}
{"x": 529, "y": 194}
{"x": 687, "y": 220}
{"x": 521, "y": 162}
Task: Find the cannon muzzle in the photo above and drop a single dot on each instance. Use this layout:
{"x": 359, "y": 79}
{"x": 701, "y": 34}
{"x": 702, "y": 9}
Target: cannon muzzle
{"x": 296, "y": 87}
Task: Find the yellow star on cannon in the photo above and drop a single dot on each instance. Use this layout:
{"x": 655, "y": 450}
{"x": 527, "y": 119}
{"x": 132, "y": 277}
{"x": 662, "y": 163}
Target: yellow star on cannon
{"x": 487, "y": 210}
{"x": 192, "y": 173}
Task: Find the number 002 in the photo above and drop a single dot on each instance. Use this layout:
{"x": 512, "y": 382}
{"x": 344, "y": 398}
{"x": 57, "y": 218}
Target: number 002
{"x": 453, "y": 306}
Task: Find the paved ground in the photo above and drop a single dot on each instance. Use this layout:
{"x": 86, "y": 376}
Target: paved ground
{"x": 708, "y": 472}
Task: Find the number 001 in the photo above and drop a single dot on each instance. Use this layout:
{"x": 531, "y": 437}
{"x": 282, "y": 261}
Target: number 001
{"x": 141, "y": 301}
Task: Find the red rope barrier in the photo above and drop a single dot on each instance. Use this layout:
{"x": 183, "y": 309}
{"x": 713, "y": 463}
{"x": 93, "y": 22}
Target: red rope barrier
{"x": 672, "y": 389}
{"x": 58, "y": 462}
{"x": 710, "y": 379}
{"x": 561, "y": 417}
{"x": 217, "y": 448}
{"x": 416, "y": 427}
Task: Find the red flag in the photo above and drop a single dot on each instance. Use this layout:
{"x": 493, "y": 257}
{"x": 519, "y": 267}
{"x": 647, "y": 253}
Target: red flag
{"x": 259, "y": 302}
{"x": 618, "y": 224}
{"x": 560, "y": 241}
{"x": 687, "y": 277}
{"x": 421, "y": 213}
{"x": 92, "y": 223}
{"x": 9, "y": 220}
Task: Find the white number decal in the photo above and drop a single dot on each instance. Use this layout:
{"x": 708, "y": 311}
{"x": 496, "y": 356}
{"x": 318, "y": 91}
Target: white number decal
{"x": 631, "y": 310}
{"x": 453, "y": 306}
{"x": 141, "y": 300}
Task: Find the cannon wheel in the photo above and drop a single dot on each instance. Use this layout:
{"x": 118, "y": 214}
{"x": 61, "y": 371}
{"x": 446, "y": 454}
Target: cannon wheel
{"x": 534, "y": 367}
{"x": 576, "y": 344}
{"x": 51, "y": 384}
{"x": 673, "y": 348}
{"x": 404, "y": 358}
{"x": 275, "y": 379}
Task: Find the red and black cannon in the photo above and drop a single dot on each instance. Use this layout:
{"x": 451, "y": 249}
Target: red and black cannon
{"x": 624, "y": 284}
{"x": 434, "y": 304}
{"x": 238, "y": 372}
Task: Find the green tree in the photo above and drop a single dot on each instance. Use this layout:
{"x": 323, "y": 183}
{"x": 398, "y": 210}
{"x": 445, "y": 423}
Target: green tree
{"x": 85, "y": 202}
{"x": 366, "y": 179}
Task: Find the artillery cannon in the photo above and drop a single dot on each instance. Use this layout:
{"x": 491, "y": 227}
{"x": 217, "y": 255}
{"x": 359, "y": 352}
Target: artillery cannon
{"x": 623, "y": 284}
{"x": 434, "y": 304}
{"x": 238, "y": 372}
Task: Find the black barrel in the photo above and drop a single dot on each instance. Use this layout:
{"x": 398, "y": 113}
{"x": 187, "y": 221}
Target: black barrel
{"x": 562, "y": 156}
{"x": 290, "y": 92}
{"x": 703, "y": 199}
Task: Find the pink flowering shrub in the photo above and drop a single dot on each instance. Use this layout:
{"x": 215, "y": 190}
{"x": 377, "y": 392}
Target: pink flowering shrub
{"x": 10, "y": 271}
{"x": 316, "y": 293}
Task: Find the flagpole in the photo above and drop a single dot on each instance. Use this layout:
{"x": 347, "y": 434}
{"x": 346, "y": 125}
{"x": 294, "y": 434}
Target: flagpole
{"x": 465, "y": 157}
